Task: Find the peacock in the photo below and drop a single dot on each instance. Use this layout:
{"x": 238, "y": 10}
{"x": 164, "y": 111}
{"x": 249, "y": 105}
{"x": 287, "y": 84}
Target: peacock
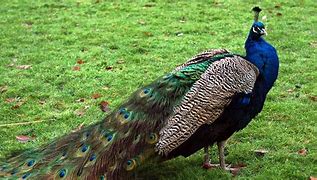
{"x": 201, "y": 102}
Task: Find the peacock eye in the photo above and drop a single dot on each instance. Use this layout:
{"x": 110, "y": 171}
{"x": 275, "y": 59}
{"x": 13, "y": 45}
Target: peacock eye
{"x": 87, "y": 134}
{"x": 146, "y": 91}
{"x": 109, "y": 137}
{"x": 122, "y": 110}
{"x": 62, "y": 173}
{"x": 25, "y": 175}
{"x": 92, "y": 157}
{"x": 152, "y": 138}
{"x": 64, "y": 153}
{"x": 126, "y": 115}
{"x": 131, "y": 163}
{"x": 84, "y": 148}
{"x": 31, "y": 163}
{"x": 14, "y": 171}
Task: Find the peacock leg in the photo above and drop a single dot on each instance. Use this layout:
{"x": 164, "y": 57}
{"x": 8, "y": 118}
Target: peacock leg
{"x": 221, "y": 149}
{"x": 206, "y": 164}
{"x": 207, "y": 156}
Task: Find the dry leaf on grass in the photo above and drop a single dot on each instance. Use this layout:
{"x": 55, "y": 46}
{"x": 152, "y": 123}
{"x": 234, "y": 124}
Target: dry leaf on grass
{"x": 24, "y": 139}
{"x": 81, "y": 111}
{"x": 80, "y": 100}
{"x": 95, "y": 96}
{"x": 235, "y": 169}
{"x": 76, "y": 68}
{"x": 109, "y": 68}
{"x": 260, "y": 152}
{"x": 24, "y": 67}
{"x": 80, "y": 61}
{"x": 3, "y": 89}
{"x": 302, "y": 152}
{"x": 104, "y": 106}
{"x": 78, "y": 128}
{"x": 105, "y": 88}
{"x": 10, "y": 100}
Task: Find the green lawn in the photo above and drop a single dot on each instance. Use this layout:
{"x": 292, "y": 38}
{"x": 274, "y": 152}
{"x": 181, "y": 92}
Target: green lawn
{"x": 126, "y": 44}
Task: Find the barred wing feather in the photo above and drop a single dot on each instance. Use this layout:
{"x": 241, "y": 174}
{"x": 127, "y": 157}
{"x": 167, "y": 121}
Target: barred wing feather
{"x": 207, "y": 99}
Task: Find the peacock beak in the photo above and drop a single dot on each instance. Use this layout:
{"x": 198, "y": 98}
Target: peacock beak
{"x": 263, "y": 32}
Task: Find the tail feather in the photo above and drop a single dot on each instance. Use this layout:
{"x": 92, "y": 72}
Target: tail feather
{"x": 117, "y": 145}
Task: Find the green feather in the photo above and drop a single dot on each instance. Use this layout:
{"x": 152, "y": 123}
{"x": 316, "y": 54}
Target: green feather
{"x": 119, "y": 143}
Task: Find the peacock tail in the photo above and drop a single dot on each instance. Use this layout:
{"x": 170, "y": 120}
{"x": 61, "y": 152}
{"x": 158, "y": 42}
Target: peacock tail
{"x": 123, "y": 140}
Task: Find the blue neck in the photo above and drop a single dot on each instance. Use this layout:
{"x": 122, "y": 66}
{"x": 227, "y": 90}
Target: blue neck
{"x": 264, "y": 57}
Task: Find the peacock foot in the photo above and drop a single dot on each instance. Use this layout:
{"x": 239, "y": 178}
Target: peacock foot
{"x": 208, "y": 165}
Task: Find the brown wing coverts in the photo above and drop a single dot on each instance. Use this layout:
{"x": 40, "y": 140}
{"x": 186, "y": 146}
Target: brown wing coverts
{"x": 207, "y": 99}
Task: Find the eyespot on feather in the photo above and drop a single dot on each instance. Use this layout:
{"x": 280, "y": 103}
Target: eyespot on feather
{"x": 92, "y": 157}
{"x": 145, "y": 92}
{"x": 62, "y": 173}
{"x": 152, "y": 138}
{"x": 26, "y": 175}
{"x": 30, "y": 163}
{"x": 84, "y": 148}
{"x": 130, "y": 165}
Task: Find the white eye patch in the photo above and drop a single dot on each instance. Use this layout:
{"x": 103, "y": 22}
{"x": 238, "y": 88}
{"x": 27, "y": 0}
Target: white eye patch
{"x": 257, "y": 30}
{"x": 253, "y": 29}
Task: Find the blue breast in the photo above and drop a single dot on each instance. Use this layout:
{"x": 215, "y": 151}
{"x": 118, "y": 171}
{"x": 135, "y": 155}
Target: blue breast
{"x": 264, "y": 57}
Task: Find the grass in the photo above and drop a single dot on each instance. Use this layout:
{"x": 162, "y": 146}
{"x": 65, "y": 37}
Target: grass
{"x": 127, "y": 44}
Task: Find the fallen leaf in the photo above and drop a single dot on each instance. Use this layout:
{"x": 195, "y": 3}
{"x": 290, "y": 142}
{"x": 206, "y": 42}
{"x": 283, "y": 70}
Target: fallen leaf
{"x": 104, "y": 106}
{"x": 18, "y": 105}
{"x": 109, "y": 68}
{"x": 313, "y": 44}
{"x": 24, "y": 67}
{"x": 10, "y": 100}
{"x": 42, "y": 102}
{"x": 78, "y": 128}
{"x": 3, "y": 89}
{"x": 11, "y": 65}
{"x": 260, "y": 152}
{"x": 182, "y": 21}
{"x": 24, "y": 139}
{"x": 95, "y": 96}
{"x": 290, "y": 90}
{"x": 277, "y": 6}
{"x": 142, "y": 22}
{"x": 313, "y": 98}
{"x": 179, "y": 34}
{"x": 80, "y": 100}
{"x": 312, "y": 178}
{"x": 105, "y": 88}
{"x": 81, "y": 111}
{"x": 120, "y": 61}
{"x": 76, "y": 68}
{"x": 302, "y": 152}
{"x": 80, "y": 61}
{"x": 148, "y": 34}
{"x": 279, "y": 14}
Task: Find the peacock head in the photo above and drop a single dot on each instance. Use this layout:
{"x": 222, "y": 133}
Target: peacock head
{"x": 258, "y": 29}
